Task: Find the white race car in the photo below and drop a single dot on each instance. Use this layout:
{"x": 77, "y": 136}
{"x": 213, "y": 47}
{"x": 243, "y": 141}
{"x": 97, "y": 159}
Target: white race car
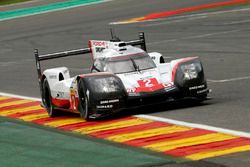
{"x": 122, "y": 76}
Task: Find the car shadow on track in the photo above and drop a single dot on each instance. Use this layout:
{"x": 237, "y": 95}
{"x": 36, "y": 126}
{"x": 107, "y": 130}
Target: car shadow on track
{"x": 149, "y": 109}
{"x": 157, "y": 108}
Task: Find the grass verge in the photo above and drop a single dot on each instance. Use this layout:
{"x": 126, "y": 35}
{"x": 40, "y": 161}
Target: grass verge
{"x": 32, "y": 145}
{"x": 8, "y": 2}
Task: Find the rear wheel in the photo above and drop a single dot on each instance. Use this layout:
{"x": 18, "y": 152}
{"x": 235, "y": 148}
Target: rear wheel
{"x": 83, "y": 101}
{"x": 46, "y": 98}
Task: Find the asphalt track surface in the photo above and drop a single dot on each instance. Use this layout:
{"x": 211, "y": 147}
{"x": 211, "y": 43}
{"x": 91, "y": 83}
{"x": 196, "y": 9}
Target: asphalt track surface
{"x": 220, "y": 37}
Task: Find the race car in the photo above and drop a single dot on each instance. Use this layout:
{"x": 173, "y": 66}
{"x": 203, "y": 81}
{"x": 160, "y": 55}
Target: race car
{"x": 122, "y": 75}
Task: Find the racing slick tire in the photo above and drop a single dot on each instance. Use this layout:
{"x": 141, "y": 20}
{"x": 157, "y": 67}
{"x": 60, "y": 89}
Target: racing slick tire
{"x": 83, "y": 101}
{"x": 46, "y": 98}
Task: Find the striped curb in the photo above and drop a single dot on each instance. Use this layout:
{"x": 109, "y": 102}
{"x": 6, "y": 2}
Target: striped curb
{"x": 167, "y": 138}
{"x": 164, "y": 14}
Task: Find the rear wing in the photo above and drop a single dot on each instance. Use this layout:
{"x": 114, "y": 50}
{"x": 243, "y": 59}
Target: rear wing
{"x": 141, "y": 42}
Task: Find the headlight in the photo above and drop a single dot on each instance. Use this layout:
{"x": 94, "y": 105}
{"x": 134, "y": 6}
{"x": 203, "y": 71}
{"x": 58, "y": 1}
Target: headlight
{"x": 190, "y": 71}
{"x": 106, "y": 85}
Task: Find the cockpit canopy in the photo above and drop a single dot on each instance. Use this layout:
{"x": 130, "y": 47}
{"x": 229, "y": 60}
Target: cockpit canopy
{"x": 124, "y": 64}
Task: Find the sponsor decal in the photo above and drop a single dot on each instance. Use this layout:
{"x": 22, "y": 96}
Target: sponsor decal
{"x": 104, "y": 106}
{"x": 74, "y": 98}
{"x": 73, "y": 88}
{"x": 71, "y": 91}
{"x": 131, "y": 90}
{"x": 52, "y": 76}
{"x": 167, "y": 85}
{"x": 99, "y": 43}
{"x": 197, "y": 87}
{"x": 109, "y": 101}
{"x": 169, "y": 89}
{"x": 99, "y": 50}
{"x": 202, "y": 91}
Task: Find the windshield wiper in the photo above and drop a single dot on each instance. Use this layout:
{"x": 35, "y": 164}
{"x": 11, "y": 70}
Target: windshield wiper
{"x": 137, "y": 68}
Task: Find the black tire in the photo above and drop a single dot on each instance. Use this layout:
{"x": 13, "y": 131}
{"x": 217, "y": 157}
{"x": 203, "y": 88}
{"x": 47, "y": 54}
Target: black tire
{"x": 46, "y": 98}
{"x": 83, "y": 101}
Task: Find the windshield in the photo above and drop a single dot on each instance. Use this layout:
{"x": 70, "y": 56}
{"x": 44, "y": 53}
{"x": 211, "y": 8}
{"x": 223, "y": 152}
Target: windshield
{"x": 130, "y": 63}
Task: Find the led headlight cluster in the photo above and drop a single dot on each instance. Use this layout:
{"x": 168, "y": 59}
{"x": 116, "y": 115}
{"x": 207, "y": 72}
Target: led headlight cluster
{"x": 106, "y": 85}
{"x": 190, "y": 71}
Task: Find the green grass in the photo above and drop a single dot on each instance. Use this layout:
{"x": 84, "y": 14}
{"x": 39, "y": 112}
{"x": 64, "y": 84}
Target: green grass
{"x": 7, "y": 2}
{"x": 29, "y": 145}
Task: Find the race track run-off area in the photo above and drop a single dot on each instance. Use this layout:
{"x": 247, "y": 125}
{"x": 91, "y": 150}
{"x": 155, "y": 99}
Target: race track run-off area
{"x": 165, "y": 138}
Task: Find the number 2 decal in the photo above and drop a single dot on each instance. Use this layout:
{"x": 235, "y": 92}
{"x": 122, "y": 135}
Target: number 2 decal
{"x": 148, "y": 82}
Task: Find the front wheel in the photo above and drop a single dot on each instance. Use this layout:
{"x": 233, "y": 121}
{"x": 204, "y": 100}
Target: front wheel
{"x": 83, "y": 101}
{"x": 46, "y": 98}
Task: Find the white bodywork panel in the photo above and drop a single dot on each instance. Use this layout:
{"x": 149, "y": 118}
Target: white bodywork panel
{"x": 59, "y": 89}
{"x": 155, "y": 56}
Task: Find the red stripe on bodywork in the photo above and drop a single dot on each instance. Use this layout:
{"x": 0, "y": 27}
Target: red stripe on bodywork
{"x": 95, "y": 74}
{"x": 92, "y": 123}
{"x": 149, "y": 89}
{"x": 130, "y": 129}
{"x": 167, "y": 137}
{"x": 33, "y": 103}
{"x": 61, "y": 103}
{"x": 220, "y": 145}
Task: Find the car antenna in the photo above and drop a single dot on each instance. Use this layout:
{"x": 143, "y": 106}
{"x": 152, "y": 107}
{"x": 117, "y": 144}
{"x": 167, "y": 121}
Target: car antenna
{"x": 137, "y": 68}
{"x": 112, "y": 33}
{"x": 114, "y": 38}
